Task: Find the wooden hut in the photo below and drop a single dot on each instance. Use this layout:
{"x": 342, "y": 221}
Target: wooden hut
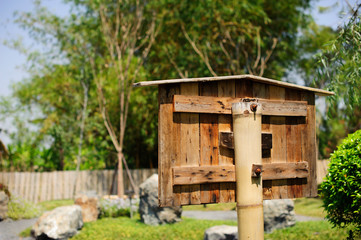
{"x": 196, "y": 157}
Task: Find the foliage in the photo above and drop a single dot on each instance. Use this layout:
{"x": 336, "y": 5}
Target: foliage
{"x": 192, "y": 39}
{"x": 202, "y": 38}
{"x": 338, "y": 68}
{"x": 19, "y": 209}
{"x": 114, "y": 208}
{"x": 341, "y": 190}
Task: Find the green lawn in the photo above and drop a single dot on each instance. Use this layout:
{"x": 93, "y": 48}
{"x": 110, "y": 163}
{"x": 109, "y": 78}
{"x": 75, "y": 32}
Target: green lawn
{"x": 309, "y": 207}
{"x": 303, "y": 206}
{"x": 211, "y": 207}
{"x": 49, "y": 205}
{"x": 126, "y": 228}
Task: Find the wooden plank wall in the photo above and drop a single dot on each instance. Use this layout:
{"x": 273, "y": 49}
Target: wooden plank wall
{"x": 45, "y": 186}
{"x": 191, "y": 139}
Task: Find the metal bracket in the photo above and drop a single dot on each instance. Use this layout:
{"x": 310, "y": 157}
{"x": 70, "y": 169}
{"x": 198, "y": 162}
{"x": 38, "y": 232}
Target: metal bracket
{"x": 256, "y": 170}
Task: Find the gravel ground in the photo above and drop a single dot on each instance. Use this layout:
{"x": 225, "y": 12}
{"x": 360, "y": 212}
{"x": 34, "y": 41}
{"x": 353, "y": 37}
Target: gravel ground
{"x": 9, "y": 230}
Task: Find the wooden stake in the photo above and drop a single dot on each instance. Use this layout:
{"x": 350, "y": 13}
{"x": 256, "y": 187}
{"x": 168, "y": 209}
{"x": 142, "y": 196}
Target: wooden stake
{"x": 248, "y": 151}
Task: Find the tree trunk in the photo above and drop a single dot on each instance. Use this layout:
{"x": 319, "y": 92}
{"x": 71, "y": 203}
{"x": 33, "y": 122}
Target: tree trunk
{"x": 120, "y": 175}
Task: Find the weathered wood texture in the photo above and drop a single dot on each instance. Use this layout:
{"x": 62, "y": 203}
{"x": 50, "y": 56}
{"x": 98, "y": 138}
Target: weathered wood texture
{"x": 45, "y": 186}
{"x": 191, "y": 139}
{"x": 225, "y": 155}
{"x": 221, "y": 174}
{"x": 168, "y": 145}
{"x": 223, "y": 105}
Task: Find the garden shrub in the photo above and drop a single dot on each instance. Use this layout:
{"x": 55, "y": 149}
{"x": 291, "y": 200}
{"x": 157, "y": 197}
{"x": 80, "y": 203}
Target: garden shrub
{"x": 114, "y": 208}
{"x": 341, "y": 189}
{"x": 19, "y": 209}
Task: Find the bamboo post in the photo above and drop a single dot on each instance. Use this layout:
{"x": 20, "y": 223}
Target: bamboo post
{"x": 248, "y": 151}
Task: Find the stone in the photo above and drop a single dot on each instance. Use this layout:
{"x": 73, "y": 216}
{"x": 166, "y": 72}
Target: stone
{"x": 278, "y": 214}
{"x": 4, "y": 200}
{"x": 90, "y": 207}
{"x": 149, "y": 210}
{"x": 222, "y": 232}
{"x": 60, "y": 223}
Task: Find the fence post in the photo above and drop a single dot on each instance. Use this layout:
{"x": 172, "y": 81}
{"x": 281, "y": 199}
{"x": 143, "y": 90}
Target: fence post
{"x": 248, "y": 151}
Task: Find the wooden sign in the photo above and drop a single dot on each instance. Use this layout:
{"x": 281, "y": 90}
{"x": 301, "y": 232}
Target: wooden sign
{"x": 196, "y": 149}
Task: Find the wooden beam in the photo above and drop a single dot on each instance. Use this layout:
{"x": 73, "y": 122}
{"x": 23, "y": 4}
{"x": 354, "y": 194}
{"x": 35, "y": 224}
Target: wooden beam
{"x": 204, "y": 174}
{"x": 276, "y": 171}
{"x": 222, "y": 105}
{"x": 217, "y": 174}
{"x": 226, "y": 140}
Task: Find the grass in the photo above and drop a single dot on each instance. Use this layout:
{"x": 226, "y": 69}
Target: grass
{"x": 309, "y": 207}
{"x": 303, "y": 206}
{"x": 321, "y": 230}
{"x": 126, "y": 228}
{"x": 211, "y": 207}
{"x": 50, "y": 205}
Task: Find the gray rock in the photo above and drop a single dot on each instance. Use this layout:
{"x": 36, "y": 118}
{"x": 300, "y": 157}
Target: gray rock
{"x": 4, "y": 200}
{"x": 60, "y": 223}
{"x": 278, "y": 214}
{"x": 149, "y": 210}
{"x": 222, "y": 232}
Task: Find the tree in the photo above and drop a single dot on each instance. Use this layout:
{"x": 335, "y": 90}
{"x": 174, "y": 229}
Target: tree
{"x": 128, "y": 38}
{"x": 338, "y": 69}
{"x": 223, "y": 38}
{"x": 187, "y": 39}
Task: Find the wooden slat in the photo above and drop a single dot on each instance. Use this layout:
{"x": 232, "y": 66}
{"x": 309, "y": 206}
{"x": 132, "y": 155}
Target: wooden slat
{"x": 261, "y": 90}
{"x": 223, "y": 105}
{"x": 189, "y": 145}
{"x": 308, "y": 133}
{"x": 226, "y": 156}
{"x": 276, "y": 171}
{"x": 37, "y": 189}
{"x": 203, "y": 174}
{"x": 226, "y": 140}
{"x": 279, "y": 150}
{"x": 209, "y": 143}
{"x": 294, "y": 145}
{"x": 168, "y": 134}
{"x": 218, "y": 174}
{"x": 43, "y": 187}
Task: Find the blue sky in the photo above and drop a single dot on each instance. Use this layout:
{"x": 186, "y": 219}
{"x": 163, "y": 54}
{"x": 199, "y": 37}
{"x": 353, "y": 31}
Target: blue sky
{"x": 11, "y": 61}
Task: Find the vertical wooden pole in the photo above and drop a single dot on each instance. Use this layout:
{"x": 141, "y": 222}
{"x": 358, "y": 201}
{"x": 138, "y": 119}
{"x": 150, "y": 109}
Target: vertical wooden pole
{"x": 248, "y": 151}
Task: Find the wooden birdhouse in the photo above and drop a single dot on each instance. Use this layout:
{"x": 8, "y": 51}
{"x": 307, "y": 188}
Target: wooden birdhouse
{"x": 196, "y": 147}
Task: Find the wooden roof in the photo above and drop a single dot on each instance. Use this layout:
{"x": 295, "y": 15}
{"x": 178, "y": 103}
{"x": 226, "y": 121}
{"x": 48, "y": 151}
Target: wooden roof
{"x": 319, "y": 92}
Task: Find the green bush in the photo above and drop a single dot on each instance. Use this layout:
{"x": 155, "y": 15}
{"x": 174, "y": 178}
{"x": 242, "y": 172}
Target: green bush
{"x": 19, "y": 208}
{"x": 114, "y": 208}
{"x": 341, "y": 190}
